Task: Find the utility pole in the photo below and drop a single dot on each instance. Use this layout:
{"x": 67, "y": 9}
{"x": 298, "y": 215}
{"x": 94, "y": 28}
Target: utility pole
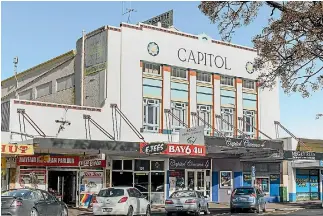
{"x": 15, "y": 63}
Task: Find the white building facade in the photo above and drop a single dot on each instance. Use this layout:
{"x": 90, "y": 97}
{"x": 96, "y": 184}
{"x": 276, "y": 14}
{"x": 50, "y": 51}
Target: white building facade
{"x": 145, "y": 71}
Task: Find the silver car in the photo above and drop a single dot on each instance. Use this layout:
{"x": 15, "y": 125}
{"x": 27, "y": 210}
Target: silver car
{"x": 250, "y": 198}
{"x": 186, "y": 201}
{"x": 31, "y": 202}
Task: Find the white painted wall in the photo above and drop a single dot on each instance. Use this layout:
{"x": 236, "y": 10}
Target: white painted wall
{"x": 45, "y": 118}
{"x": 134, "y": 49}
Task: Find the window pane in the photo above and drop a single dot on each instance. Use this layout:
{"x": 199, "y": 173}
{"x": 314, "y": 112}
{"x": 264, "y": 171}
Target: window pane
{"x": 117, "y": 164}
{"x": 127, "y": 164}
{"x": 150, "y": 115}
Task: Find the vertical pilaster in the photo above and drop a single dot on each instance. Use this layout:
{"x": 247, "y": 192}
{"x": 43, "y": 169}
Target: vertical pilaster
{"x": 192, "y": 104}
{"x": 291, "y": 183}
{"x": 257, "y": 111}
{"x": 320, "y": 184}
{"x": 166, "y": 95}
{"x": 216, "y": 100}
{"x": 238, "y": 104}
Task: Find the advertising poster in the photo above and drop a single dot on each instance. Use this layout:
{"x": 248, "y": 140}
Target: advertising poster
{"x": 246, "y": 179}
{"x": 91, "y": 184}
{"x": 225, "y": 179}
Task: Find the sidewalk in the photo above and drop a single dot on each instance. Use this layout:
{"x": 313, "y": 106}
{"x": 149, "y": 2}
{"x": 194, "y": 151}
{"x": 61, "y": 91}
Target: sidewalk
{"x": 277, "y": 206}
{"x": 213, "y": 206}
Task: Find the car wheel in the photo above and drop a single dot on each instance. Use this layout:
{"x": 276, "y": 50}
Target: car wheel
{"x": 33, "y": 212}
{"x": 64, "y": 212}
{"x": 148, "y": 211}
{"x": 232, "y": 210}
{"x": 130, "y": 211}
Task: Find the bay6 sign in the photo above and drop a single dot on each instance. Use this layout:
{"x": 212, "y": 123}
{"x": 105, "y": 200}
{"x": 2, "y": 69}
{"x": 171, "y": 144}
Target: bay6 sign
{"x": 172, "y": 149}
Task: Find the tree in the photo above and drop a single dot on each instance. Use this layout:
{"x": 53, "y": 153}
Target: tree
{"x": 290, "y": 47}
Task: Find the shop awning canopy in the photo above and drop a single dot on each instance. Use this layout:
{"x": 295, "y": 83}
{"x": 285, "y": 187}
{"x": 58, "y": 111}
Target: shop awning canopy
{"x": 217, "y": 147}
{"x": 220, "y": 147}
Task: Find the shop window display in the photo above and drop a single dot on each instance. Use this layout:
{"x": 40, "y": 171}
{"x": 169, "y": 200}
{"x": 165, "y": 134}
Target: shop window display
{"x": 263, "y": 184}
{"x": 307, "y": 185}
{"x": 177, "y": 180}
{"x": 32, "y": 179}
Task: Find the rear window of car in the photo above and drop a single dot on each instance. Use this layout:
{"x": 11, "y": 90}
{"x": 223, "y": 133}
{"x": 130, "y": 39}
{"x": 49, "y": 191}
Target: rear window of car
{"x": 179, "y": 194}
{"x": 16, "y": 193}
{"x": 111, "y": 192}
{"x": 244, "y": 191}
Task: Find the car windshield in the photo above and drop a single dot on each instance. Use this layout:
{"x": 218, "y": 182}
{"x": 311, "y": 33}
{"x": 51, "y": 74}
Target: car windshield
{"x": 244, "y": 191}
{"x": 15, "y": 193}
{"x": 111, "y": 192}
{"x": 179, "y": 194}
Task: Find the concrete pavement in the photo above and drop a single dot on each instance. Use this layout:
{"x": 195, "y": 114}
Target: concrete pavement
{"x": 224, "y": 208}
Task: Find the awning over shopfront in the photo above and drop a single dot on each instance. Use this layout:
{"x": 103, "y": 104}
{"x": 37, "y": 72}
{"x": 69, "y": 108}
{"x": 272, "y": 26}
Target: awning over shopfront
{"x": 244, "y": 148}
{"x": 75, "y": 146}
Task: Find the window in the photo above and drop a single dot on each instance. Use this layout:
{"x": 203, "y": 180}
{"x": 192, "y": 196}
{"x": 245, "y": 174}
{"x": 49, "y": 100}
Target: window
{"x": 111, "y": 192}
{"x": 227, "y": 126}
{"x": 228, "y": 81}
{"x": 26, "y": 95}
{"x": 205, "y": 113}
{"x": 65, "y": 82}
{"x": 249, "y": 122}
{"x": 44, "y": 89}
{"x": 151, "y": 68}
{"x": 151, "y": 115}
{"x": 179, "y": 73}
{"x": 204, "y": 77}
{"x": 117, "y": 164}
{"x": 178, "y": 110}
{"x": 249, "y": 84}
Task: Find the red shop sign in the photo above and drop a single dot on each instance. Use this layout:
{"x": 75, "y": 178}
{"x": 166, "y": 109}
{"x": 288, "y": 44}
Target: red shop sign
{"x": 173, "y": 149}
{"x": 61, "y": 161}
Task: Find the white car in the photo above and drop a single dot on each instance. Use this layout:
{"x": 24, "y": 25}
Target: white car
{"x": 121, "y": 201}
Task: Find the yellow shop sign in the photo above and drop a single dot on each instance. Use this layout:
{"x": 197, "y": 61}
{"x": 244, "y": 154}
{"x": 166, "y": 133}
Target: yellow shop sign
{"x": 17, "y": 149}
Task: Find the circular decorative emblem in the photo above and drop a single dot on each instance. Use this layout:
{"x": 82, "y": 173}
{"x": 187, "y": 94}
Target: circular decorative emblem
{"x": 249, "y": 67}
{"x": 153, "y": 49}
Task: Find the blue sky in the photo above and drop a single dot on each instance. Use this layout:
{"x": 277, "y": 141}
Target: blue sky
{"x": 39, "y": 31}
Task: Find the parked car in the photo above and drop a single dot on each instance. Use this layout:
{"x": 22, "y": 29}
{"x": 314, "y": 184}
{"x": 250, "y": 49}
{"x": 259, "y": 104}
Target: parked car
{"x": 31, "y": 202}
{"x": 250, "y": 198}
{"x": 186, "y": 201}
{"x": 121, "y": 201}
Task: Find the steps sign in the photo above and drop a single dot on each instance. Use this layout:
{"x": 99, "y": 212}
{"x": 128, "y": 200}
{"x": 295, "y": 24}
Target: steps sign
{"x": 193, "y": 135}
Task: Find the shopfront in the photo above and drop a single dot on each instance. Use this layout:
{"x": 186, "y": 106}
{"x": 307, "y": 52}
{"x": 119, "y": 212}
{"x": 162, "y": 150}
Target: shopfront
{"x": 8, "y": 163}
{"x": 190, "y": 173}
{"x": 70, "y": 178}
{"x": 267, "y": 178}
{"x": 307, "y": 184}
{"x": 145, "y": 174}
